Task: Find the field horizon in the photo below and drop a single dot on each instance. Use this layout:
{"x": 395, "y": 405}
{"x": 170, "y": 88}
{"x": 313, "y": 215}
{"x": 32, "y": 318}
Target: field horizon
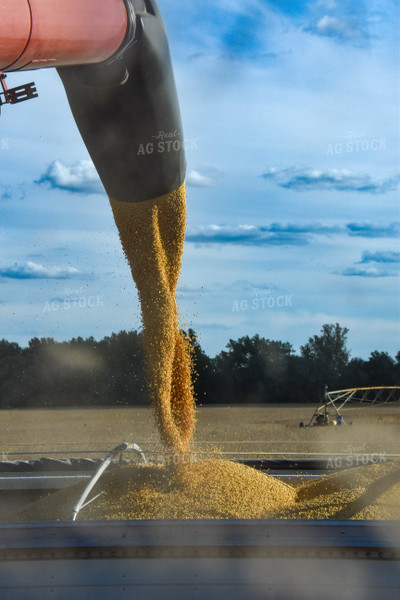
{"x": 245, "y": 430}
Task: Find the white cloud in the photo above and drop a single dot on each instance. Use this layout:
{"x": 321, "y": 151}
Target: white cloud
{"x": 325, "y": 5}
{"x": 196, "y": 178}
{"x": 32, "y": 270}
{"x": 293, "y": 234}
{"x": 340, "y": 180}
{"x": 335, "y": 27}
{"x": 80, "y": 177}
{"x": 250, "y": 235}
{"x": 389, "y": 257}
{"x": 365, "y": 272}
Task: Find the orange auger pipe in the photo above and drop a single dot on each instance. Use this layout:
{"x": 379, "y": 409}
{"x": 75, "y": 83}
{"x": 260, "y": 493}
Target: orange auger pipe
{"x": 56, "y": 33}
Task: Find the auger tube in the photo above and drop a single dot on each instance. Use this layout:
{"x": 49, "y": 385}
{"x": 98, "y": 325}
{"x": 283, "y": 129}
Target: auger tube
{"x": 117, "y": 73}
{"x": 51, "y": 33}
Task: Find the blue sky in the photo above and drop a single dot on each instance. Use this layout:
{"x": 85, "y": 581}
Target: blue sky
{"x": 290, "y": 113}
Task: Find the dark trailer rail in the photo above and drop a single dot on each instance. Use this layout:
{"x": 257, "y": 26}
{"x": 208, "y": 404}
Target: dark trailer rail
{"x": 207, "y": 560}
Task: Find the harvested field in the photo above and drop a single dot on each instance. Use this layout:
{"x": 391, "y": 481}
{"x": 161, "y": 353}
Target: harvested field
{"x": 246, "y": 429}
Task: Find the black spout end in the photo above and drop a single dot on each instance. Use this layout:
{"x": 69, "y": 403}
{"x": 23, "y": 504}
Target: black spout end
{"x": 127, "y": 112}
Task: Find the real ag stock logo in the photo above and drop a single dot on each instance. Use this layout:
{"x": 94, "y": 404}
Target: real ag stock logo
{"x": 356, "y": 142}
{"x": 262, "y": 299}
{"x": 73, "y": 300}
{"x": 166, "y": 141}
{"x": 356, "y": 456}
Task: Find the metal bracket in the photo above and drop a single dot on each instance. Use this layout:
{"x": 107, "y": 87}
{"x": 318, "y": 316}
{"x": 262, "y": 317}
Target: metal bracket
{"x": 17, "y": 94}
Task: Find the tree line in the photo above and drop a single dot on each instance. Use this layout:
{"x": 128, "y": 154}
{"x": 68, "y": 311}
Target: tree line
{"x": 111, "y": 372}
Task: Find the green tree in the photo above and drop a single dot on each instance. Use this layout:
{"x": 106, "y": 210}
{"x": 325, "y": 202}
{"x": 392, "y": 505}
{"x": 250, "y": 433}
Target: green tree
{"x": 296, "y": 382}
{"x": 253, "y": 370}
{"x": 397, "y": 368}
{"x": 124, "y": 368}
{"x": 355, "y": 374}
{"x": 381, "y": 369}
{"x": 326, "y": 357}
{"x": 11, "y": 370}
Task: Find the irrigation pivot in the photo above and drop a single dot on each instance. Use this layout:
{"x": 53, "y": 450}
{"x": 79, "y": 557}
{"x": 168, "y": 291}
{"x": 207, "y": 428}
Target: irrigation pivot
{"x": 337, "y": 399}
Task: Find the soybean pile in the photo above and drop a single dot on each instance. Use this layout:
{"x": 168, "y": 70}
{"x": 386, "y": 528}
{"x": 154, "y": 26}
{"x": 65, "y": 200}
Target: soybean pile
{"x": 214, "y": 489}
{"x": 367, "y": 492}
{"x": 205, "y": 489}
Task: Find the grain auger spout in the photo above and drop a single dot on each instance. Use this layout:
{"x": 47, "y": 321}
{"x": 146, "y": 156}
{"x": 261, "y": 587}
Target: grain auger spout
{"x": 114, "y": 61}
